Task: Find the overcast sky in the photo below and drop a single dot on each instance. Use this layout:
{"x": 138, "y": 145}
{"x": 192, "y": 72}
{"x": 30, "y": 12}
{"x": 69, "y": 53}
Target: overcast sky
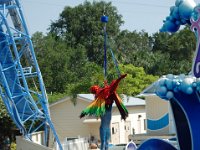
{"x": 138, "y": 15}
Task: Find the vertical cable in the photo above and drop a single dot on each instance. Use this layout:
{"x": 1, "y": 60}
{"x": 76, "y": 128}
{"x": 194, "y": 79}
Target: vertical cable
{"x": 105, "y": 52}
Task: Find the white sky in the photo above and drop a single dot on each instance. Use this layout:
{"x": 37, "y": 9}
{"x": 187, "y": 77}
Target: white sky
{"x": 138, "y": 15}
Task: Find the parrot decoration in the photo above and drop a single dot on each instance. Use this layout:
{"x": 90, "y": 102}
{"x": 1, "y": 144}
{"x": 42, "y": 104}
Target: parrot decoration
{"x": 101, "y": 107}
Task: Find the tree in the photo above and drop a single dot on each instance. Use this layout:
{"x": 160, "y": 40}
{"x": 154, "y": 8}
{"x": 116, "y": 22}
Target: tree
{"x": 74, "y": 45}
{"x": 81, "y": 25}
{"x": 8, "y": 128}
{"x": 178, "y": 48}
{"x": 53, "y": 61}
{"x": 135, "y": 82}
{"x": 64, "y": 67}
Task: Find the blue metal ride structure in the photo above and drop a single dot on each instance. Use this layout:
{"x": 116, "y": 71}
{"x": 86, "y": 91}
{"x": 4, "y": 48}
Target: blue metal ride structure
{"x": 19, "y": 71}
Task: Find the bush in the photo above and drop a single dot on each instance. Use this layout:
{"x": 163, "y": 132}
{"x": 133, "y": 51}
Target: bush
{"x": 13, "y": 146}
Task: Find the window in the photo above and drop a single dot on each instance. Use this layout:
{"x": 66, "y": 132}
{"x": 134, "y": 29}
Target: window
{"x": 145, "y": 124}
{"x": 113, "y": 130}
{"x": 36, "y": 135}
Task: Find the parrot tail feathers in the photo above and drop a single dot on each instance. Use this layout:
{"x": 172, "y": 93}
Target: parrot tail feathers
{"x": 123, "y": 111}
{"x": 121, "y": 107}
{"x": 96, "y": 108}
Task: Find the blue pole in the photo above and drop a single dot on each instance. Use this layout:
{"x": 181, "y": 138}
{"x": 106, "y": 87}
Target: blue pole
{"x": 104, "y": 19}
{"x": 105, "y": 51}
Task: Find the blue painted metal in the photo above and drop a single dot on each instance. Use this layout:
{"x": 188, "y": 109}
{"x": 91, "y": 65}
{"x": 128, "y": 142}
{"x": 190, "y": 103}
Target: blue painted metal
{"x": 105, "y": 52}
{"x": 195, "y": 27}
{"x": 159, "y": 123}
{"x": 185, "y": 120}
{"x": 4, "y": 1}
{"x": 183, "y": 91}
{"x": 185, "y": 104}
{"x": 25, "y": 104}
{"x": 156, "y": 144}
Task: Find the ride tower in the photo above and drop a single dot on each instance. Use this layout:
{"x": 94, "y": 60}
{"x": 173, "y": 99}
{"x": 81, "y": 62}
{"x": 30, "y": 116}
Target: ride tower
{"x": 21, "y": 85}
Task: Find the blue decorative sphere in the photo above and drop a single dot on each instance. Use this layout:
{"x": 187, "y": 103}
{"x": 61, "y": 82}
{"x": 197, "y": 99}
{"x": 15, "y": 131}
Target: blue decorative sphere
{"x": 169, "y": 95}
{"x": 178, "y": 2}
{"x": 162, "y": 90}
{"x": 186, "y": 8}
{"x": 169, "y": 84}
{"x": 162, "y": 82}
{"x": 104, "y": 19}
{"x": 186, "y": 85}
{"x": 189, "y": 90}
{"x": 170, "y": 76}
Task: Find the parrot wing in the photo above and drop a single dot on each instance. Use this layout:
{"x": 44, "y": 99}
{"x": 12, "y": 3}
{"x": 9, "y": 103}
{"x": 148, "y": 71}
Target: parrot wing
{"x": 121, "y": 107}
{"x": 96, "y": 107}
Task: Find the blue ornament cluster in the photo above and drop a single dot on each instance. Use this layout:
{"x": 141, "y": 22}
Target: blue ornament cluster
{"x": 170, "y": 84}
{"x": 180, "y": 14}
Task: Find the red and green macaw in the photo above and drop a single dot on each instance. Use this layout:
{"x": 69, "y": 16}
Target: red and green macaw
{"x": 102, "y": 107}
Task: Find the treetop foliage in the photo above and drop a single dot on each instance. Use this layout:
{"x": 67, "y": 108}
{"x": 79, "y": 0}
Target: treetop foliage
{"x": 75, "y": 41}
{"x": 71, "y": 55}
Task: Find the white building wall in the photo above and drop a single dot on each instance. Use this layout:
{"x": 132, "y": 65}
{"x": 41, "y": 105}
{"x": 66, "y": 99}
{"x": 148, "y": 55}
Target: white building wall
{"x": 157, "y": 108}
{"x": 24, "y": 144}
{"x": 38, "y": 137}
{"x": 117, "y": 119}
{"x": 94, "y": 129}
{"x": 134, "y": 112}
{"x": 65, "y": 117}
{"x": 137, "y": 116}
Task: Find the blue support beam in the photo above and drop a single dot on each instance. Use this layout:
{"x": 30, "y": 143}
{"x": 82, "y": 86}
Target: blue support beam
{"x": 24, "y": 104}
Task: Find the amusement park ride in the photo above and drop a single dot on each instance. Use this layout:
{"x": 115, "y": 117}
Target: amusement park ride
{"x": 21, "y": 85}
{"x": 23, "y": 92}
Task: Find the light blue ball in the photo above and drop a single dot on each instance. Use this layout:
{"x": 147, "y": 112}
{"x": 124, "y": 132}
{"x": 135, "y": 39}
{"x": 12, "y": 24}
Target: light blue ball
{"x": 198, "y": 81}
{"x": 162, "y": 82}
{"x": 187, "y": 83}
{"x": 169, "y": 95}
{"x": 198, "y": 88}
{"x": 189, "y": 90}
{"x": 162, "y": 90}
{"x": 178, "y": 23}
{"x": 176, "y": 89}
{"x": 183, "y": 21}
{"x": 178, "y": 2}
{"x": 167, "y": 18}
{"x": 170, "y": 76}
{"x": 169, "y": 84}
{"x": 186, "y": 8}
{"x": 194, "y": 84}
{"x": 175, "y": 13}
{"x": 170, "y": 26}
{"x": 175, "y": 82}
{"x": 171, "y": 18}
{"x": 172, "y": 8}
{"x": 182, "y": 76}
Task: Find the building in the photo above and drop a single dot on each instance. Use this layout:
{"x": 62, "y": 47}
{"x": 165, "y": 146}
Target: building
{"x": 65, "y": 117}
{"x": 159, "y": 115}
{"x": 159, "y": 118}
